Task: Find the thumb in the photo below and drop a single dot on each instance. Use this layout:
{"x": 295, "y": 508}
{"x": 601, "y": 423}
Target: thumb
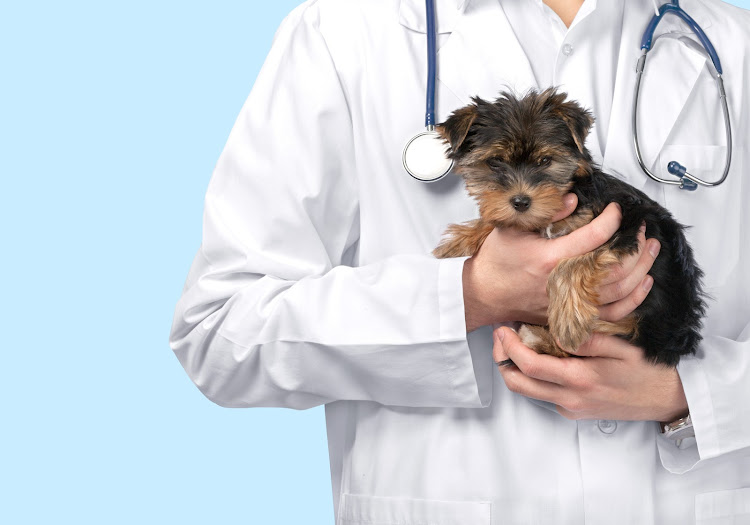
{"x": 591, "y": 236}
{"x": 570, "y": 201}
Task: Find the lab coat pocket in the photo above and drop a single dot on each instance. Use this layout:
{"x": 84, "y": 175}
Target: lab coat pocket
{"x": 357, "y": 509}
{"x": 711, "y": 214}
{"x": 725, "y": 507}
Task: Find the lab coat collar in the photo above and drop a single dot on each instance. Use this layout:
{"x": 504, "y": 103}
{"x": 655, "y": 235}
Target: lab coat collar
{"x": 447, "y": 12}
{"x": 482, "y": 55}
{"x": 671, "y": 74}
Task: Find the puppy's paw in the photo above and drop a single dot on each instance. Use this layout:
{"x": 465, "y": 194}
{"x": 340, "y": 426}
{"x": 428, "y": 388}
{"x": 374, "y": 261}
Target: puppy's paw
{"x": 572, "y": 328}
{"x": 540, "y": 340}
{"x": 572, "y": 319}
{"x": 464, "y": 239}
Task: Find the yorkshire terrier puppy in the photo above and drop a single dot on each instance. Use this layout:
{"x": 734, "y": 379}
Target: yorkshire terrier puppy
{"x": 518, "y": 158}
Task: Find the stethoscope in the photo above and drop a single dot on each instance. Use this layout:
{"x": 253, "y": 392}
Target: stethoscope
{"x": 425, "y": 155}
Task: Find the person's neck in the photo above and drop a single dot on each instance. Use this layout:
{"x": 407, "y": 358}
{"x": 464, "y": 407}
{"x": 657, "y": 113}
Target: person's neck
{"x": 565, "y": 9}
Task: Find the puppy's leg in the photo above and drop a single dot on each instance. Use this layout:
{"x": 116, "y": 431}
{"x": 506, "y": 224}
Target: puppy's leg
{"x": 540, "y": 340}
{"x": 573, "y": 313}
{"x": 464, "y": 239}
{"x": 627, "y": 327}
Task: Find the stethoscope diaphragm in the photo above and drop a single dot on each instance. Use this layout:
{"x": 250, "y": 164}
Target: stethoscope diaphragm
{"x": 425, "y": 158}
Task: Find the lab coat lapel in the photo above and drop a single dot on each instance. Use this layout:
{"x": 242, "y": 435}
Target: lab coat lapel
{"x": 482, "y": 56}
{"x": 672, "y": 70}
{"x": 411, "y": 14}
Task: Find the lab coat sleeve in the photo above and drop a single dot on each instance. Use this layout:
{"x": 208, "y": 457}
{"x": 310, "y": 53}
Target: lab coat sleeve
{"x": 717, "y": 387}
{"x": 272, "y": 312}
{"x": 717, "y": 379}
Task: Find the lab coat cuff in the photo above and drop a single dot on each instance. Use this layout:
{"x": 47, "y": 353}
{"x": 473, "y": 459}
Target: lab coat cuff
{"x": 469, "y": 355}
{"x": 682, "y": 458}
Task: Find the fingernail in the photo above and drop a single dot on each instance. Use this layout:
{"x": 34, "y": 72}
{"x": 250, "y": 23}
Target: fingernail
{"x": 568, "y": 200}
{"x": 499, "y": 335}
{"x": 648, "y": 282}
{"x": 642, "y": 229}
{"x": 653, "y": 248}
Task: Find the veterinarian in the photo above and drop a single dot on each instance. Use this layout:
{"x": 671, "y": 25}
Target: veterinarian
{"x": 315, "y": 283}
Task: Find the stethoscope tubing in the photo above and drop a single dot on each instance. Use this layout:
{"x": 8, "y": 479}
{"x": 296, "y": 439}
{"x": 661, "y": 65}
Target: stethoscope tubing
{"x": 429, "y": 118}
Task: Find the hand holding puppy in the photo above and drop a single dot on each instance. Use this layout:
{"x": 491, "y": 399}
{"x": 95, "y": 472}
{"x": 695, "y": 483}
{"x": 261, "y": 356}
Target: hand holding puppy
{"x": 614, "y": 381}
{"x": 506, "y": 279}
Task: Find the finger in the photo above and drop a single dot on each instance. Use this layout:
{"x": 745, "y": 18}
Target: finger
{"x": 538, "y": 366}
{"x": 621, "y": 289}
{"x": 518, "y": 382}
{"x": 618, "y": 310}
{"x": 569, "y": 414}
{"x": 591, "y": 236}
{"x": 570, "y": 201}
{"x": 628, "y": 264}
{"x": 599, "y": 345}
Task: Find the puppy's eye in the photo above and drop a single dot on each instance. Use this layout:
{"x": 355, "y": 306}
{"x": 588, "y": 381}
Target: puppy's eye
{"x": 544, "y": 161}
{"x": 495, "y": 163}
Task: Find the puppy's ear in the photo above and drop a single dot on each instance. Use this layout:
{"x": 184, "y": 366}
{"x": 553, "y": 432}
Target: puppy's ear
{"x": 455, "y": 129}
{"x": 579, "y": 121}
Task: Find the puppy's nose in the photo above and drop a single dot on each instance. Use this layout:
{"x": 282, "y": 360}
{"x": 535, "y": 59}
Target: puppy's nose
{"x": 521, "y": 202}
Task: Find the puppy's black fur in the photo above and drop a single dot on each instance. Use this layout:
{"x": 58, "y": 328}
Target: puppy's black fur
{"x": 670, "y": 318}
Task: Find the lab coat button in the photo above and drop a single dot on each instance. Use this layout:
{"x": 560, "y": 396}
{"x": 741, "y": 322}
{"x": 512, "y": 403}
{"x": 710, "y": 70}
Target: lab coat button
{"x": 606, "y": 426}
{"x": 567, "y": 50}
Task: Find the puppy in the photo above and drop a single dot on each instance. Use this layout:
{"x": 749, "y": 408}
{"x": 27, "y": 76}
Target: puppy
{"x": 518, "y": 158}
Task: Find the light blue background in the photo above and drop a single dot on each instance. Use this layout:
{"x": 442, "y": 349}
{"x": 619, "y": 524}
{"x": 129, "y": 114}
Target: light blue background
{"x": 112, "y": 116}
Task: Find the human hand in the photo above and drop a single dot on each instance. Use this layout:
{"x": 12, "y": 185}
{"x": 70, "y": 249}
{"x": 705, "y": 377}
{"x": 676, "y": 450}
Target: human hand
{"x": 612, "y": 380}
{"x": 628, "y": 284}
{"x": 506, "y": 280}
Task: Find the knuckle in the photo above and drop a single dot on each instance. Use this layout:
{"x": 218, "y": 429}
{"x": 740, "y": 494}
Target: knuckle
{"x": 637, "y": 298}
{"x": 578, "y": 383}
{"x": 617, "y": 273}
{"x": 531, "y": 369}
{"x": 619, "y": 291}
{"x": 607, "y": 313}
{"x": 567, "y": 414}
{"x": 575, "y": 405}
{"x": 511, "y": 381}
{"x": 549, "y": 260}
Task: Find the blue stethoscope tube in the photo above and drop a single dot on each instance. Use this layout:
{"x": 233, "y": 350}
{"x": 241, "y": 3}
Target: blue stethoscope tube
{"x": 429, "y": 117}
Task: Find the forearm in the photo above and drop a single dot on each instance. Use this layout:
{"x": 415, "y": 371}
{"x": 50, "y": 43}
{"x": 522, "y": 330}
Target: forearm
{"x": 390, "y": 332}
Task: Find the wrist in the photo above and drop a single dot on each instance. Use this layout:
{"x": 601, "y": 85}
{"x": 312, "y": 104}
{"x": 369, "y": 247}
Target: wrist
{"x": 477, "y": 310}
{"x": 678, "y": 408}
{"x": 470, "y": 306}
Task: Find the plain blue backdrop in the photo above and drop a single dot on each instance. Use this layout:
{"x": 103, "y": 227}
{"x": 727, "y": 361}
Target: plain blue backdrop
{"x": 112, "y": 116}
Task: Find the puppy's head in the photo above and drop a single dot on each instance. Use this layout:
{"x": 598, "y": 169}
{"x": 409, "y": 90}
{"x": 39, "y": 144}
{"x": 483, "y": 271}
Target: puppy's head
{"x": 519, "y": 156}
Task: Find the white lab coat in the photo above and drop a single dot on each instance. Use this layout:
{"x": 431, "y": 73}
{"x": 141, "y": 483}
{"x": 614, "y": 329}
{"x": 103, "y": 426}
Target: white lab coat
{"x": 314, "y": 283}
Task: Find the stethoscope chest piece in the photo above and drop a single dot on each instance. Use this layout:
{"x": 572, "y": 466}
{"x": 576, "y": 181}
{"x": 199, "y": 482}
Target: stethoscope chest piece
{"x": 425, "y": 157}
